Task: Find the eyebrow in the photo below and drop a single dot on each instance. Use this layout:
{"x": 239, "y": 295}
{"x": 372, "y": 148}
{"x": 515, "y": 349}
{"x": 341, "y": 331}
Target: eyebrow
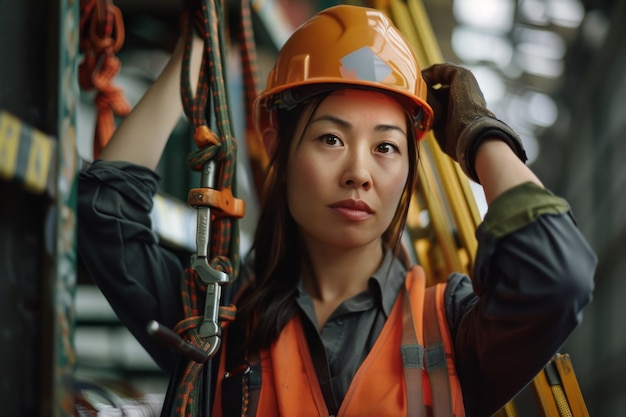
{"x": 345, "y": 124}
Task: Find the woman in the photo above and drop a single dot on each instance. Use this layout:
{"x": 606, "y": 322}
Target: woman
{"x": 320, "y": 317}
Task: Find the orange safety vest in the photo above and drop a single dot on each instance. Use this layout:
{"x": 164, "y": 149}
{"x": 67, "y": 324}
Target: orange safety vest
{"x": 408, "y": 372}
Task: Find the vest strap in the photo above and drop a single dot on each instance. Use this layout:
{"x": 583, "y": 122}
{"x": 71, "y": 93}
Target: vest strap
{"x": 412, "y": 357}
{"x": 436, "y": 361}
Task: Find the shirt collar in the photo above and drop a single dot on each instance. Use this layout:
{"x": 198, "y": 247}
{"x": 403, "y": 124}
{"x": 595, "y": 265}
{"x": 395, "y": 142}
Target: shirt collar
{"x": 384, "y": 285}
{"x": 388, "y": 280}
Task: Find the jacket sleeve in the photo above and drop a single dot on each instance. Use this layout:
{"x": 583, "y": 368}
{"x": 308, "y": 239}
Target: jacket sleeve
{"x": 121, "y": 253}
{"x": 532, "y": 277}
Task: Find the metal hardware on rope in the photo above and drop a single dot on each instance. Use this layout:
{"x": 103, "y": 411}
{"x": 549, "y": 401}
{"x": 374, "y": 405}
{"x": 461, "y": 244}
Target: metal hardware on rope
{"x": 209, "y": 327}
{"x": 216, "y": 259}
{"x": 172, "y": 339}
{"x": 213, "y": 279}
{"x": 223, "y": 201}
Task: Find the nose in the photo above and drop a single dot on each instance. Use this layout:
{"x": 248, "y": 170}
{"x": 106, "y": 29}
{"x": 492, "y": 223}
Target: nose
{"x": 356, "y": 172}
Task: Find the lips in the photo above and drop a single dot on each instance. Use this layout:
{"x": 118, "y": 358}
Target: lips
{"x": 352, "y": 210}
{"x": 353, "y": 205}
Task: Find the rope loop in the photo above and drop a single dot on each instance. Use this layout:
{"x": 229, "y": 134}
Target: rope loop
{"x": 187, "y": 325}
{"x": 223, "y": 264}
{"x": 196, "y": 159}
{"x": 102, "y": 35}
{"x": 209, "y": 100}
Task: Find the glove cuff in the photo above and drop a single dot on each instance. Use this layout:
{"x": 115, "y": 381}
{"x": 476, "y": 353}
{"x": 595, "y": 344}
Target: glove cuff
{"x": 482, "y": 128}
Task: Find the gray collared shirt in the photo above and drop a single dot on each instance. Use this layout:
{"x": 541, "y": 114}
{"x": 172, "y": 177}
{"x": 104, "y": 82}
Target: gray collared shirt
{"x": 350, "y": 332}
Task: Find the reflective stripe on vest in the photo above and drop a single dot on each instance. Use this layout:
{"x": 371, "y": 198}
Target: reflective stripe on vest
{"x": 409, "y": 370}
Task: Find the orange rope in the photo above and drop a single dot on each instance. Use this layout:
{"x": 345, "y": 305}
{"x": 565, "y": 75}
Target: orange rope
{"x": 102, "y": 35}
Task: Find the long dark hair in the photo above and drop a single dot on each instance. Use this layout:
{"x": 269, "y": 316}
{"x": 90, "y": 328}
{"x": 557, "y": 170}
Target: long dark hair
{"x": 268, "y": 304}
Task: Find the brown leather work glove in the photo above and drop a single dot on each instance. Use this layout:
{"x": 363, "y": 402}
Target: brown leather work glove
{"x": 462, "y": 120}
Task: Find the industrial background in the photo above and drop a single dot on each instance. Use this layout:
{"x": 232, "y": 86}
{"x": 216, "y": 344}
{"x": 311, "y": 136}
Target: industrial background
{"x": 553, "y": 69}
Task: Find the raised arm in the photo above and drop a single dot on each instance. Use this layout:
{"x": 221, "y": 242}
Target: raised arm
{"x": 116, "y": 242}
{"x": 533, "y": 270}
{"x": 142, "y": 136}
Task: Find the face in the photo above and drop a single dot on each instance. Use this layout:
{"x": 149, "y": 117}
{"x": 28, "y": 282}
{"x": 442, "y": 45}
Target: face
{"x": 347, "y": 169}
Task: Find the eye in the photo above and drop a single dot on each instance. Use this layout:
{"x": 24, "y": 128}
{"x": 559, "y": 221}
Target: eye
{"x": 387, "y": 147}
{"x": 330, "y": 140}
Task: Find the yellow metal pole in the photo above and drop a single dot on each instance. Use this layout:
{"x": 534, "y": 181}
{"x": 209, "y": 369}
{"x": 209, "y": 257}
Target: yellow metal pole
{"x": 444, "y": 191}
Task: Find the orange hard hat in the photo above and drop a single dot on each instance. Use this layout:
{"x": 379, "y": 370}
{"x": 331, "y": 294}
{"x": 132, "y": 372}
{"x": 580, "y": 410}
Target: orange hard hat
{"x": 345, "y": 46}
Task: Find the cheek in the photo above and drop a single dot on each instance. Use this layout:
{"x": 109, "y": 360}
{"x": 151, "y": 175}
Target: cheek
{"x": 392, "y": 191}
{"x": 300, "y": 173}
{"x": 305, "y": 180}
{"x": 393, "y": 195}
{"x": 395, "y": 180}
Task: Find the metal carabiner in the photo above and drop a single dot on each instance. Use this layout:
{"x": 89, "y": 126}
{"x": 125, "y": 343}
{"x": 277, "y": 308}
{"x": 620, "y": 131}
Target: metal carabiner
{"x": 213, "y": 279}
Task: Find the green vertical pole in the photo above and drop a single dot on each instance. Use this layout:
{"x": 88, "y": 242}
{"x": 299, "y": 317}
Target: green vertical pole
{"x": 63, "y": 213}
